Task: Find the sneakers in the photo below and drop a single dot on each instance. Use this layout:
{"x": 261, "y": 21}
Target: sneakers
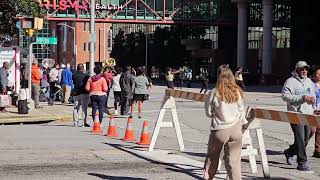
{"x": 75, "y": 123}
{"x": 289, "y": 158}
{"x": 303, "y": 167}
{"x": 116, "y": 112}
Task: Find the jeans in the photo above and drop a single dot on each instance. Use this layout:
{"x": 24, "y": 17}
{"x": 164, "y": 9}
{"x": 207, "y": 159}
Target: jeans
{"x": 204, "y": 84}
{"x": 302, "y": 135}
{"x": 98, "y": 102}
{"x": 83, "y": 101}
{"x": 35, "y": 93}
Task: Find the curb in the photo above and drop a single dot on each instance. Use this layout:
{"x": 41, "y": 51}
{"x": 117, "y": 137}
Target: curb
{"x": 30, "y": 119}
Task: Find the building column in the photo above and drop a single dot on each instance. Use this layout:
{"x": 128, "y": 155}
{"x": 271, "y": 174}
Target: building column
{"x": 267, "y": 37}
{"x": 242, "y": 42}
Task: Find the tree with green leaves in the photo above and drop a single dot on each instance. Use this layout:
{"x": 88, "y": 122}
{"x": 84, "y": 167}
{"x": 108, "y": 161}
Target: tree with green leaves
{"x": 10, "y": 9}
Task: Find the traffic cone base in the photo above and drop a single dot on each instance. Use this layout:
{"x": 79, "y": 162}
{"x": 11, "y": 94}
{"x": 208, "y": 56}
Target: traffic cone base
{"x": 144, "y": 139}
{"x": 111, "y": 132}
{"x": 96, "y": 129}
{"x": 129, "y": 135}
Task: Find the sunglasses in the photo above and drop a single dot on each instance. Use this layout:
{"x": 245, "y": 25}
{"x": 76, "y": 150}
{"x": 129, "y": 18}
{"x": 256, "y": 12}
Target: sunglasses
{"x": 303, "y": 69}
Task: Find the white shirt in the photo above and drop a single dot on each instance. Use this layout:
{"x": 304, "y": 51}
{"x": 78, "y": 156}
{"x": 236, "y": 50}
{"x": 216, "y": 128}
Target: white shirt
{"x": 115, "y": 83}
{"x": 54, "y": 74}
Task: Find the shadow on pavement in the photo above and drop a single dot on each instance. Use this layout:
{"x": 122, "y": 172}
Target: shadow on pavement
{"x": 272, "y": 152}
{"x": 196, "y": 154}
{"x": 258, "y": 178}
{"x": 170, "y": 166}
{"x": 114, "y": 177}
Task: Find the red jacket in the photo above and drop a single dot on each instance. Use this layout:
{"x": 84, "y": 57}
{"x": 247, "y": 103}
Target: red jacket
{"x": 108, "y": 76}
{"x": 35, "y": 74}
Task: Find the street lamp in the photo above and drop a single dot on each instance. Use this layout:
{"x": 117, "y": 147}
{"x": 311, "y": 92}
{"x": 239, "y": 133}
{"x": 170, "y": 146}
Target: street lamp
{"x": 74, "y": 41}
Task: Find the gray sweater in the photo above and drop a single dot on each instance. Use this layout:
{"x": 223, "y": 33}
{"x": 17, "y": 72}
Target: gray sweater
{"x": 293, "y": 91}
{"x": 140, "y": 85}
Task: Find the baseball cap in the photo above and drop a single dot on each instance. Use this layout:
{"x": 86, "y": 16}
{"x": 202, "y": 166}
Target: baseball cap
{"x": 302, "y": 64}
{"x": 63, "y": 66}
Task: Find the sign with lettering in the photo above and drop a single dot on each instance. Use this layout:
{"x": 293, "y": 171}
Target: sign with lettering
{"x": 76, "y": 5}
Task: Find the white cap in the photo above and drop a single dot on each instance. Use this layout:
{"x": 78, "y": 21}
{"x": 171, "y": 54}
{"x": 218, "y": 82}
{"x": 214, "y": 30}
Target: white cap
{"x": 302, "y": 64}
{"x": 63, "y": 66}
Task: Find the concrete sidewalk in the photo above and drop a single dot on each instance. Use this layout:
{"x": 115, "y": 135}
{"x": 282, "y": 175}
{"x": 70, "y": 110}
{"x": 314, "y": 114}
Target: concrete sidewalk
{"x": 58, "y": 112}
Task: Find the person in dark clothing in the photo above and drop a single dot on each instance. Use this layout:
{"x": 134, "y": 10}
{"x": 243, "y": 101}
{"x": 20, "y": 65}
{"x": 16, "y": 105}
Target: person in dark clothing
{"x": 4, "y": 81}
{"x": 204, "y": 80}
{"x": 81, "y": 96}
{"x": 126, "y": 84}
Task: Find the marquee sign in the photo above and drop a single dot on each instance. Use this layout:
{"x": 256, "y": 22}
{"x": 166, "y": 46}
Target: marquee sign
{"x": 76, "y": 5}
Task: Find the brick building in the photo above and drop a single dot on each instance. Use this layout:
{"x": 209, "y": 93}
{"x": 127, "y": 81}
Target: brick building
{"x": 69, "y": 51}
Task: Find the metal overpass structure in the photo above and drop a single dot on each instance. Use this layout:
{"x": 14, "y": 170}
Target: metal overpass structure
{"x": 195, "y": 12}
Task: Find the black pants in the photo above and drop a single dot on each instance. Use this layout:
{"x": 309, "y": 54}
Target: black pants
{"x": 302, "y": 135}
{"x": 125, "y": 103}
{"x": 204, "y": 86}
{"x": 241, "y": 84}
{"x": 98, "y": 103}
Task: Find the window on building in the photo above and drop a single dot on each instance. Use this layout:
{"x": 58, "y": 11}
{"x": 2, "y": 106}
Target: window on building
{"x": 84, "y": 46}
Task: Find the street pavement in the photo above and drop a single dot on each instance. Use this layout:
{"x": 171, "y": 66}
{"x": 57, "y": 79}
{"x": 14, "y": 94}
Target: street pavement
{"x": 56, "y": 150}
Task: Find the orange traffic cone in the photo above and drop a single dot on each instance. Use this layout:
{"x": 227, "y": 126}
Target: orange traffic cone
{"x": 112, "y": 128}
{"x": 129, "y": 135}
{"x": 144, "y": 138}
{"x": 96, "y": 129}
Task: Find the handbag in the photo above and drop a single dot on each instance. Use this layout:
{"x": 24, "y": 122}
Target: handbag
{"x": 146, "y": 96}
{"x": 4, "y": 100}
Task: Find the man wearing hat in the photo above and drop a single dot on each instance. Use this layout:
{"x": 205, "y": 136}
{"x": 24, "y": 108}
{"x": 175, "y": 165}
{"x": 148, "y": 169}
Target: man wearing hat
{"x": 298, "y": 92}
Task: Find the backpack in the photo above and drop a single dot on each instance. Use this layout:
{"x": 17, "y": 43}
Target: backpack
{"x": 22, "y": 107}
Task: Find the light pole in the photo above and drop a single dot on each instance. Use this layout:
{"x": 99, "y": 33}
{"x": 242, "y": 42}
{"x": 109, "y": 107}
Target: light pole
{"x": 74, "y": 41}
{"x": 92, "y": 36}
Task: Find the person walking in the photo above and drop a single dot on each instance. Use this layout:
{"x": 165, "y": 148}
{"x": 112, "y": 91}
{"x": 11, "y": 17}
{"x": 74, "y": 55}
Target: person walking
{"x": 126, "y": 84}
{"x": 4, "y": 73}
{"x": 116, "y": 89}
{"x": 226, "y": 110}
{"x": 170, "y": 78}
{"x": 53, "y": 80}
{"x": 97, "y": 87}
{"x": 239, "y": 78}
{"x": 108, "y": 76}
{"x": 81, "y": 96}
{"x": 35, "y": 83}
{"x": 204, "y": 80}
{"x": 298, "y": 92}
{"x": 140, "y": 91}
{"x": 316, "y": 79}
{"x": 66, "y": 83}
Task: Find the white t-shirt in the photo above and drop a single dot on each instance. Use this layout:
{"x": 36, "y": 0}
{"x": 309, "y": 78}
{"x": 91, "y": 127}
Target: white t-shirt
{"x": 116, "y": 83}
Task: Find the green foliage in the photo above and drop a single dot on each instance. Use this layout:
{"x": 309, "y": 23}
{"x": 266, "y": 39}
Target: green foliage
{"x": 9, "y": 9}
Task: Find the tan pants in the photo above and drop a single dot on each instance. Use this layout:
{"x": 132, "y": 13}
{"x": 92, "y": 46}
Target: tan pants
{"x": 231, "y": 140}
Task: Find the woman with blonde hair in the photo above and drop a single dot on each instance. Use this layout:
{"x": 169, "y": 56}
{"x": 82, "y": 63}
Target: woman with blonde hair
{"x": 225, "y": 108}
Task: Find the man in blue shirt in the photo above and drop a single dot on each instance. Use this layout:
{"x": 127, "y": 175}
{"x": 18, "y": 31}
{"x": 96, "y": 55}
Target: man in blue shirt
{"x": 66, "y": 83}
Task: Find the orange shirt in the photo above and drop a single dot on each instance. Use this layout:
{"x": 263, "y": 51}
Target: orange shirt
{"x": 35, "y": 74}
{"x": 97, "y": 85}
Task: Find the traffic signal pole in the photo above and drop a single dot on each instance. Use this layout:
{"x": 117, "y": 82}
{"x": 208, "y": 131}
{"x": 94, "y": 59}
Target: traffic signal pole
{"x": 92, "y": 37}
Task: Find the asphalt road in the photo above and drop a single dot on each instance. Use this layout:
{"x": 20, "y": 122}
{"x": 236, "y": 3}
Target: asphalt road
{"x": 60, "y": 151}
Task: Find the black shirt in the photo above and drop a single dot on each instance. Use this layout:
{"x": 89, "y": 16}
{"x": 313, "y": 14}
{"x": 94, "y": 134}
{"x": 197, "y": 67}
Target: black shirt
{"x": 80, "y": 80}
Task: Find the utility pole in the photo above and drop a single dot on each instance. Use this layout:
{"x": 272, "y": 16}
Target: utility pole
{"x": 92, "y": 36}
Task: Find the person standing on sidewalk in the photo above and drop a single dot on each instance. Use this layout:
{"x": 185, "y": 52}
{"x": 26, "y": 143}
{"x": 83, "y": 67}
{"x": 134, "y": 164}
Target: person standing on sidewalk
{"x": 81, "y": 96}
{"x": 4, "y": 81}
{"x": 66, "y": 83}
{"x": 116, "y": 89}
{"x": 97, "y": 87}
{"x": 298, "y": 92}
{"x": 239, "y": 78}
{"x": 316, "y": 79}
{"x": 140, "y": 91}
{"x": 126, "y": 84}
{"x": 204, "y": 80}
{"x": 35, "y": 83}
{"x": 108, "y": 76}
{"x": 225, "y": 107}
{"x": 53, "y": 80}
